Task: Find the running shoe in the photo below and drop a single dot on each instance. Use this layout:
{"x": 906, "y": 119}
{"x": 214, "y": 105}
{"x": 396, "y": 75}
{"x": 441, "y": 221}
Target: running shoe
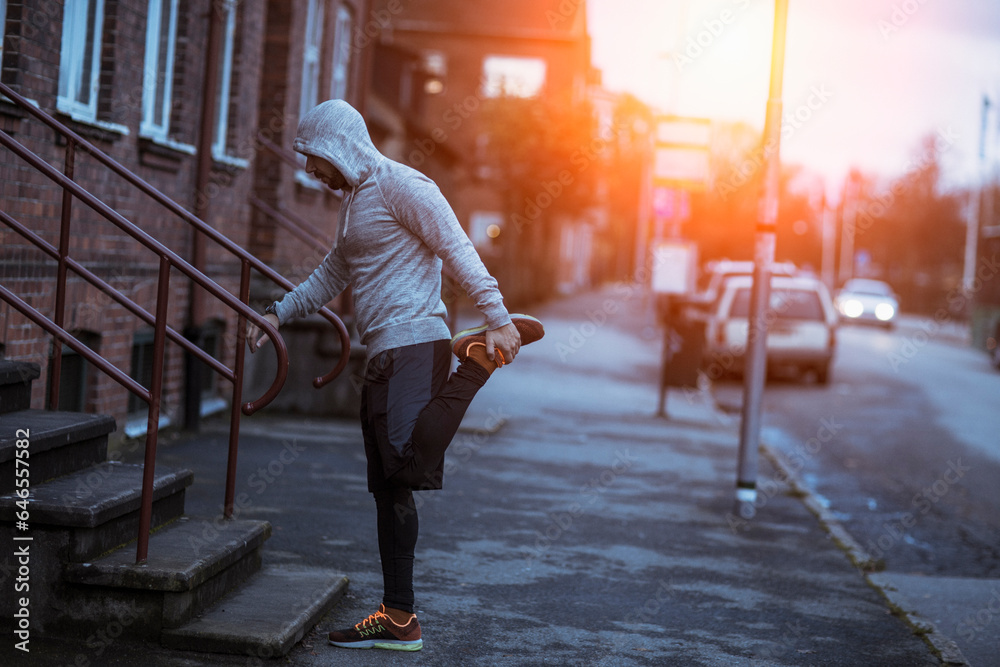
{"x": 380, "y": 631}
{"x": 529, "y": 328}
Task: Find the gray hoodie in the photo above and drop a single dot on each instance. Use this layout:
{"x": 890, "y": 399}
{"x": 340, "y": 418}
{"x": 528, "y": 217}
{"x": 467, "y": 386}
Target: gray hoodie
{"x": 395, "y": 229}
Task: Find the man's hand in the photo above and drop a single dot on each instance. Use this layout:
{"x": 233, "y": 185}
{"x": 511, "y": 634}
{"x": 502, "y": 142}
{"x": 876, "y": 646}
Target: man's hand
{"x": 253, "y": 330}
{"x": 507, "y": 339}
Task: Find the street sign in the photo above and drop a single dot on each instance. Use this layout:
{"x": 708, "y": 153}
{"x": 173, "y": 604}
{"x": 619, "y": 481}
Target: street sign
{"x": 675, "y": 267}
{"x": 680, "y": 153}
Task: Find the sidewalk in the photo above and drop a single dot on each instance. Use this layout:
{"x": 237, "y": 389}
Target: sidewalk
{"x": 575, "y": 527}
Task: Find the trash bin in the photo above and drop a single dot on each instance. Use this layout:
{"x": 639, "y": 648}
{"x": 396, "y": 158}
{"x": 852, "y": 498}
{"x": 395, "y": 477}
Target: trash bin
{"x": 683, "y": 345}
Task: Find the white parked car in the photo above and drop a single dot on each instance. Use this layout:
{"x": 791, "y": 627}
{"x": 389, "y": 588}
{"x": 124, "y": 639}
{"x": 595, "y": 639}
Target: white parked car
{"x": 801, "y": 321}
{"x": 718, "y": 272}
{"x": 864, "y": 300}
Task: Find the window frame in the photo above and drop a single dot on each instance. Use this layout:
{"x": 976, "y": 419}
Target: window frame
{"x": 340, "y": 63}
{"x": 220, "y": 145}
{"x": 312, "y": 55}
{"x": 73, "y": 55}
{"x": 152, "y": 67}
{"x": 495, "y": 84}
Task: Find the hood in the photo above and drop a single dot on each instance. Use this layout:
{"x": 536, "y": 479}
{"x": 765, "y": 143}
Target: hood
{"x": 336, "y": 132}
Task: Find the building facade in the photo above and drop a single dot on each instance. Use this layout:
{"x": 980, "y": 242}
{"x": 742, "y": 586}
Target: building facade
{"x": 203, "y": 114}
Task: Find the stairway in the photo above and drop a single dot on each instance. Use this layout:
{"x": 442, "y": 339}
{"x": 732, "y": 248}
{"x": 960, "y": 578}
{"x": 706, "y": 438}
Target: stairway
{"x": 203, "y": 586}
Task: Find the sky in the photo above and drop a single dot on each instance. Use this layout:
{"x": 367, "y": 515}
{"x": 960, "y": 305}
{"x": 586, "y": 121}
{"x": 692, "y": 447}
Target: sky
{"x": 864, "y": 80}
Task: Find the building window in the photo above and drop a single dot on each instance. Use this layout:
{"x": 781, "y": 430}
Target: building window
{"x": 436, "y": 70}
{"x": 211, "y": 342}
{"x": 142, "y": 368}
{"x": 80, "y": 58}
{"x": 311, "y": 57}
{"x": 220, "y": 142}
{"x": 509, "y": 76}
{"x": 161, "y": 35}
{"x": 341, "y": 54}
{"x": 74, "y": 374}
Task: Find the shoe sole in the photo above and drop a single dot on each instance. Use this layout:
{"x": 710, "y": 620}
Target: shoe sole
{"x": 529, "y": 327}
{"x": 391, "y": 645}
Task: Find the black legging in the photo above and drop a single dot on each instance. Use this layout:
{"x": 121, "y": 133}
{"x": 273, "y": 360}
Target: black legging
{"x": 410, "y": 412}
{"x": 397, "y": 541}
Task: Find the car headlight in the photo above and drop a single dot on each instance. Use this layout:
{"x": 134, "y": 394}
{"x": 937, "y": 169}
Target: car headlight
{"x": 852, "y": 308}
{"x": 884, "y": 311}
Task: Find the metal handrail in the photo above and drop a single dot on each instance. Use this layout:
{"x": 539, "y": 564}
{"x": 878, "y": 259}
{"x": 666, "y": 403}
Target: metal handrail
{"x": 259, "y": 266}
{"x": 152, "y": 396}
{"x": 168, "y": 260}
{"x": 152, "y": 244}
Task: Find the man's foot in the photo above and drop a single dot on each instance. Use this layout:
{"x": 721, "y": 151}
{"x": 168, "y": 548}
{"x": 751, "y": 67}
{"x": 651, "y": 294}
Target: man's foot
{"x": 468, "y": 343}
{"x": 380, "y": 631}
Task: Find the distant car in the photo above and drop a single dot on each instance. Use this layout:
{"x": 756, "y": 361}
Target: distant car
{"x": 801, "y": 319}
{"x": 869, "y": 301}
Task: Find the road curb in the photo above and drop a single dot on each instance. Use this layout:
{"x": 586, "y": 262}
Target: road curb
{"x": 946, "y": 649}
{"x": 942, "y": 646}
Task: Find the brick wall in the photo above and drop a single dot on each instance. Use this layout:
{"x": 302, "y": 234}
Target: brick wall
{"x": 31, "y": 65}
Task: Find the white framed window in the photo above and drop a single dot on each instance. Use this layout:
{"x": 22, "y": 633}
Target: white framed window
{"x": 309, "y": 96}
{"x": 158, "y": 72}
{"x": 80, "y": 58}
{"x": 513, "y": 76}
{"x": 312, "y": 52}
{"x": 219, "y": 144}
{"x": 341, "y": 54}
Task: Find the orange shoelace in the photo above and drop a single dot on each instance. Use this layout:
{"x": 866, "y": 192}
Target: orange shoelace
{"x": 371, "y": 620}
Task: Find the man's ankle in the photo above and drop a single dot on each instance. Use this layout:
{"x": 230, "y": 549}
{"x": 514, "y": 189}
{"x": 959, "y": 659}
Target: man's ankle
{"x": 477, "y": 352}
{"x": 398, "y": 616}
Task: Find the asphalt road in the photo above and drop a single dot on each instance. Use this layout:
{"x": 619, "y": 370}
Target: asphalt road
{"x": 902, "y": 445}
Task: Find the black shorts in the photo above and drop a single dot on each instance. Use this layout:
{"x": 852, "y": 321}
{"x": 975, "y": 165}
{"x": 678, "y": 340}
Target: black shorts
{"x": 398, "y": 385}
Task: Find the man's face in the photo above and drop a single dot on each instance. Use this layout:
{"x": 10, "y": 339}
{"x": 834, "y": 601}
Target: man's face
{"x": 326, "y": 172}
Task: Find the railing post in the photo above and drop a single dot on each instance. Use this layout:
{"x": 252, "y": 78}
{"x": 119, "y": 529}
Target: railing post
{"x": 234, "y": 419}
{"x": 55, "y": 370}
{"x": 153, "y": 422}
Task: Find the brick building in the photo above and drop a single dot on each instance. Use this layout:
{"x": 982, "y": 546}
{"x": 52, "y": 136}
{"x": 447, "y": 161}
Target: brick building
{"x": 467, "y": 55}
{"x": 130, "y": 76}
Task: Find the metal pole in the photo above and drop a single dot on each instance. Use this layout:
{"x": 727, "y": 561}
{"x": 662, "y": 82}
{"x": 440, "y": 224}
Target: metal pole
{"x": 979, "y": 208}
{"x": 828, "y": 219}
{"x": 234, "y": 419}
{"x": 756, "y": 359}
{"x": 55, "y": 377}
{"x": 849, "y": 215}
{"x": 153, "y": 418}
{"x": 206, "y": 136}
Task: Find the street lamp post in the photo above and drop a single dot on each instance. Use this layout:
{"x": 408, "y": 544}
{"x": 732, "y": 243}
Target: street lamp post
{"x": 756, "y": 353}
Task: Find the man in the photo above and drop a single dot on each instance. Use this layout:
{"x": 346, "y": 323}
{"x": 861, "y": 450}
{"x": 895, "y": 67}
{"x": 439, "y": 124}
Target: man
{"x": 395, "y": 230}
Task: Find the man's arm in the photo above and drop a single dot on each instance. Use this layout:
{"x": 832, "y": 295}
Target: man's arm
{"x": 423, "y": 210}
{"x": 328, "y": 280}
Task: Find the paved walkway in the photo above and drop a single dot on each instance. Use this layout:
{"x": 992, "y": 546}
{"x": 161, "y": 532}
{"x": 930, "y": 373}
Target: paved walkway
{"x": 575, "y": 527}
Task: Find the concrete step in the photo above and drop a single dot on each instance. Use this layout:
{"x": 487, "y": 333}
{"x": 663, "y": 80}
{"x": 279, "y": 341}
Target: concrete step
{"x": 98, "y": 507}
{"x": 266, "y": 617}
{"x": 76, "y": 518}
{"x": 59, "y": 443}
{"x": 15, "y": 385}
{"x": 192, "y": 563}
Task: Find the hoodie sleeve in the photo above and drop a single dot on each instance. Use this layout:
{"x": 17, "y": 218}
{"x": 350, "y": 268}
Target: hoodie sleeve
{"x": 329, "y": 279}
{"x": 424, "y": 211}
